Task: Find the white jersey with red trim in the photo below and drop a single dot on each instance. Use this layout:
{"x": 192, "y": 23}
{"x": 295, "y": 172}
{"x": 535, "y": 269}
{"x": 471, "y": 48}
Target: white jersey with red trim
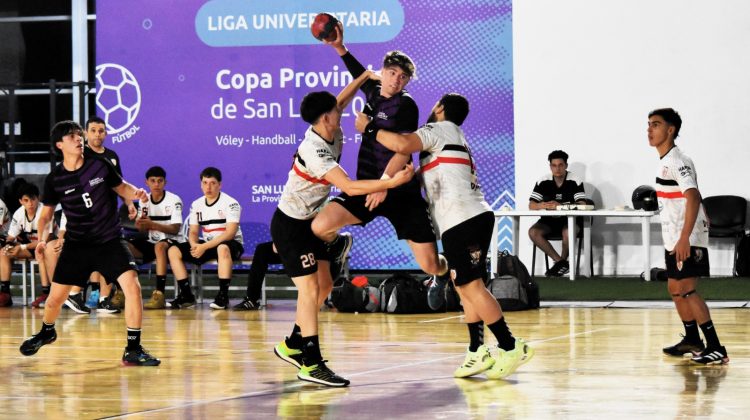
{"x": 167, "y": 211}
{"x": 449, "y": 176}
{"x": 212, "y": 219}
{"x": 306, "y": 190}
{"x": 4, "y": 218}
{"x": 20, "y": 224}
{"x": 675, "y": 176}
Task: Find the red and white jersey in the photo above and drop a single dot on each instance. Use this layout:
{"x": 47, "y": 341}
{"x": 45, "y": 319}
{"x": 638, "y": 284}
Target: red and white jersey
{"x": 675, "y": 176}
{"x": 212, "y": 219}
{"x": 306, "y": 190}
{"x": 167, "y": 211}
{"x": 449, "y": 176}
{"x": 22, "y": 225}
{"x": 4, "y": 218}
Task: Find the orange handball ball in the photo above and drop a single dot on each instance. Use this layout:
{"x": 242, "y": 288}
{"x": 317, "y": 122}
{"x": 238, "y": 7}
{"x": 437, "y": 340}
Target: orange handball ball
{"x": 324, "y": 27}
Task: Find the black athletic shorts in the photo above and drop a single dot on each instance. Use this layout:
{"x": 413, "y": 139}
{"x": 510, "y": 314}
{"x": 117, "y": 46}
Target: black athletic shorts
{"x": 235, "y": 250}
{"x": 557, "y": 224}
{"x": 404, "y": 208}
{"x": 79, "y": 259}
{"x": 298, "y": 247}
{"x": 144, "y": 246}
{"x": 695, "y": 266}
{"x": 465, "y": 246}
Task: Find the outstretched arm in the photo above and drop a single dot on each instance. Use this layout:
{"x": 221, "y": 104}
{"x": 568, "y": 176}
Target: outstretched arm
{"x": 338, "y": 177}
{"x": 404, "y": 144}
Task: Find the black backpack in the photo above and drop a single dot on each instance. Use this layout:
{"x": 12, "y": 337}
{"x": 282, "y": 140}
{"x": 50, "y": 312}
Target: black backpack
{"x": 743, "y": 257}
{"x": 347, "y": 297}
{"x": 404, "y": 294}
{"x": 512, "y": 285}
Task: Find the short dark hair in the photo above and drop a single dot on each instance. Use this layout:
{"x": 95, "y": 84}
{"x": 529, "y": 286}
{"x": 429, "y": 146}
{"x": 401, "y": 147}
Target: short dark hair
{"x": 670, "y": 116}
{"x": 95, "y": 119}
{"x": 401, "y": 60}
{"x": 156, "y": 171}
{"x": 211, "y": 172}
{"x": 455, "y": 106}
{"x": 558, "y": 154}
{"x": 28, "y": 189}
{"x": 62, "y": 129}
{"x": 315, "y": 104}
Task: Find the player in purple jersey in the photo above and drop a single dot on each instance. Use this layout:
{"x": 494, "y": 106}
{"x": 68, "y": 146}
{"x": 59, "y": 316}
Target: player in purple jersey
{"x": 393, "y": 109}
{"x": 87, "y": 189}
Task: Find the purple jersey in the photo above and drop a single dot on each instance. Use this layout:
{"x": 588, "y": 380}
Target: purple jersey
{"x": 87, "y": 199}
{"x": 398, "y": 114}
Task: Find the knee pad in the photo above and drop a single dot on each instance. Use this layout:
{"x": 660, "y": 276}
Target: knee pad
{"x": 687, "y": 294}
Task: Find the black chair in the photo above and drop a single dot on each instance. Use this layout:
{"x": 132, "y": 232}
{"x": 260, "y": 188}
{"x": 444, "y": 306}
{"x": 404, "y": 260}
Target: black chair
{"x": 726, "y": 216}
{"x": 579, "y": 239}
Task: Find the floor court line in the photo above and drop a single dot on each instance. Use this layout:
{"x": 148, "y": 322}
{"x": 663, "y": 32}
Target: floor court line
{"x": 276, "y": 390}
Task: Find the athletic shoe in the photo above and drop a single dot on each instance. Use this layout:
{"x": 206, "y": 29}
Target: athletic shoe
{"x": 93, "y": 299}
{"x": 320, "y": 374}
{"x": 507, "y": 362}
{"x": 157, "y": 301}
{"x": 139, "y": 357}
{"x": 118, "y": 300}
{"x": 475, "y": 362}
{"x": 35, "y": 342}
{"x": 182, "y": 301}
{"x": 337, "y": 252}
{"x": 247, "y": 305}
{"x": 39, "y": 302}
{"x": 5, "y": 299}
{"x": 712, "y": 356}
{"x": 106, "y": 307}
{"x": 292, "y": 356}
{"x": 76, "y": 303}
{"x": 221, "y": 301}
{"x": 685, "y": 347}
{"x": 436, "y": 292}
{"x": 558, "y": 269}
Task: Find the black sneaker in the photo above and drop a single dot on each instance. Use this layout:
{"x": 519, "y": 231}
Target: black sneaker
{"x": 247, "y": 305}
{"x": 436, "y": 292}
{"x": 182, "y": 301}
{"x": 220, "y": 302}
{"x": 77, "y": 304}
{"x": 35, "y": 342}
{"x": 106, "y": 307}
{"x": 338, "y": 251}
{"x": 139, "y": 357}
{"x": 712, "y": 356}
{"x": 320, "y": 374}
{"x": 558, "y": 269}
{"x": 685, "y": 347}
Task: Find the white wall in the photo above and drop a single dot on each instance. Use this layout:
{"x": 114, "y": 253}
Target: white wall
{"x": 587, "y": 72}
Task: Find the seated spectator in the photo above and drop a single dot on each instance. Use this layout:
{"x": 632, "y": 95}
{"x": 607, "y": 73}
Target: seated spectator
{"x": 556, "y": 188}
{"x": 22, "y": 237}
{"x": 214, "y": 235}
{"x": 160, "y": 218}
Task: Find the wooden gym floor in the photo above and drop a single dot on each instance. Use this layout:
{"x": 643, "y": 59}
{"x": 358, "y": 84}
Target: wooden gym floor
{"x": 589, "y": 363}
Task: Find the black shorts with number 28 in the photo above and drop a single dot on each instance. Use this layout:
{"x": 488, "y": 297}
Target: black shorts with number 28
{"x": 297, "y": 245}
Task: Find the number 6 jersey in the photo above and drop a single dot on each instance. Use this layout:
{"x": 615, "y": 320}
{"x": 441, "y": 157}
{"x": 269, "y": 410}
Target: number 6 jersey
{"x": 87, "y": 199}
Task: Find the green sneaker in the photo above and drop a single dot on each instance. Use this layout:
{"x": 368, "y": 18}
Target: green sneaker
{"x": 507, "y": 362}
{"x": 475, "y": 362}
{"x": 292, "y": 356}
{"x": 320, "y": 374}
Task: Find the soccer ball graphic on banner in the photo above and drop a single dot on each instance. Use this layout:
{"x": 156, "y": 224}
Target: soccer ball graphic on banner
{"x": 118, "y": 96}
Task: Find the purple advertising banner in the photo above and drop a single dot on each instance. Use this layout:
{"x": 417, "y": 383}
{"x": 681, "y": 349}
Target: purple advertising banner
{"x": 189, "y": 84}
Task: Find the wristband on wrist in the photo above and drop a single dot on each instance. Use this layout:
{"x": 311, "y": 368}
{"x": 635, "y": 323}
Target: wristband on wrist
{"x": 24, "y": 247}
{"x": 372, "y": 129}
